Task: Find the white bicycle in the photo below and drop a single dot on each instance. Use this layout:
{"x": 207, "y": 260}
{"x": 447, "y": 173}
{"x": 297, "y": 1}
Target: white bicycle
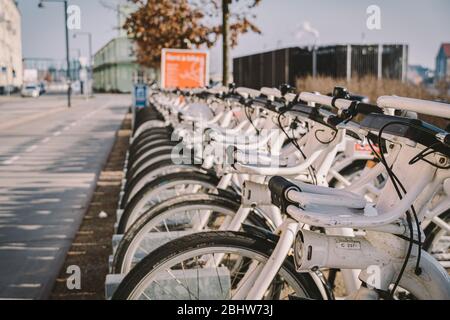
{"x": 258, "y": 265}
{"x": 192, "y": 210}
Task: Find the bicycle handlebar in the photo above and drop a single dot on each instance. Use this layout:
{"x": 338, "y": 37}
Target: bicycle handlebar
{"x": 325, "y": 100}
{"x": 271, "y": 92}
{"x": 218, "y": 90}
{"x": 431, "y": 108}
{"x": 366, "y": 108}
{"x": 247, "y": 92}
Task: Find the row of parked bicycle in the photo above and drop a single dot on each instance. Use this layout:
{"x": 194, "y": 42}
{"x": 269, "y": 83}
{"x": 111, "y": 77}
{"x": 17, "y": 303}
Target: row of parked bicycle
{"x": 234, "y": 193}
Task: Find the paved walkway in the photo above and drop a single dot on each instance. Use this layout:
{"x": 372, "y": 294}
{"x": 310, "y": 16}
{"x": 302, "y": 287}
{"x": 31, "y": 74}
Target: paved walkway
{"x": 50, "y": 157}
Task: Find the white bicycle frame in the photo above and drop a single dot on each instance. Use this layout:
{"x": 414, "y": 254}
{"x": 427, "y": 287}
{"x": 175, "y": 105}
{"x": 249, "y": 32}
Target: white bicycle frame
{"x": 380, "y": 247}
{"x": 317, "y": 153}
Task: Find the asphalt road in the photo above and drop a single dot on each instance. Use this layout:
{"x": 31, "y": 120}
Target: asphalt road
{"x": 50, "y": 158}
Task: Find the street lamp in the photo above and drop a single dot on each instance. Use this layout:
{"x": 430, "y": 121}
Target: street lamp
{"x": 69, "y": 88}
{"x": 8, "y": 28}
{"x": 91, "y": 65}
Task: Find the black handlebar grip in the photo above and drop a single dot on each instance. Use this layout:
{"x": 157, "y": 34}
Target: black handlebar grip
{"x": 366, "y": 108}
{"x": 334, "y": 121}
{"x": 278, "y": 187}
{"x": 285, "y": 89}
{"x": 340, "y": 93}
{"x": 358, "y": 97}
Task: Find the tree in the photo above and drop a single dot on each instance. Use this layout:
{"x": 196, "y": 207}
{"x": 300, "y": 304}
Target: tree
{"x": 184, "y": 24}
{"x": 234, "y": 24}
{"x": 159, "y": 24}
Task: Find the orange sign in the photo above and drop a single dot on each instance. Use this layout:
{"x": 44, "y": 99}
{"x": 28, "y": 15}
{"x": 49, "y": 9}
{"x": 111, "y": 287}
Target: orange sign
{"x": 184, "y": 69}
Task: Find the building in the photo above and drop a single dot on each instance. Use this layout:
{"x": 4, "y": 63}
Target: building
{"x": 53, "y": 74}
{"x": 116, "y": 67}
{"x": 443, "y": 63}
{"x": 281, "y": 66}
{"x": 420, "y": 75}
{"x": 11, "y": 73}
{"x": 50, "y": 70}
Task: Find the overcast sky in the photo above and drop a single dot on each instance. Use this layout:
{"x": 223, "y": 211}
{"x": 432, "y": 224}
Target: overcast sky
{"x": 424, "y": 25}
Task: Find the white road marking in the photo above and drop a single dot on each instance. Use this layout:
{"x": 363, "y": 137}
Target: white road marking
{"x": 44, "y": 212}
{"x": 26, "y": 285}
{"x": 57, "y": 133}
{"x": 32, "y": 148}
{"x": 56, "y": 236}
{"x": 46, "y": 140}
{"x": 13, "y": 248}
{"x": 47, "y": 258}
{"x": 11, "y": 161}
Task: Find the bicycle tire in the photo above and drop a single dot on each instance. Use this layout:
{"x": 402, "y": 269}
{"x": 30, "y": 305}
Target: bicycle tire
{"x": 236, "y": 240}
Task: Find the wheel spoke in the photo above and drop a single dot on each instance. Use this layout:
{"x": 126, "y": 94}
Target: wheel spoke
{"x": 178, "y": 281}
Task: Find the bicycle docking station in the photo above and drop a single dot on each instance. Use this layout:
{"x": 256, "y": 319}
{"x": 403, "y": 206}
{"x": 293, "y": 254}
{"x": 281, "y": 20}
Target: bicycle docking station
{"x": 150, "y": 242}
{"x": 156, "y": 267}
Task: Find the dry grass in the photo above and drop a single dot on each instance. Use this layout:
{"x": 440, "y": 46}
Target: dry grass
{"x": 373, "y": 88}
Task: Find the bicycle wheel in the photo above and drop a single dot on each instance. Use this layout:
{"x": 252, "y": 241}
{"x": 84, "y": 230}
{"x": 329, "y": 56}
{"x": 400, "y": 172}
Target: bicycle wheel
{"x": 173, "y": 218}
{"x": 162, "y": 188}
{"x": 148, "y": 161}
{"x": 148, "y": 142}
{"x": 148, "y": 151}
{"x": 211, "y": 265}
{"x": 152, "y": 172}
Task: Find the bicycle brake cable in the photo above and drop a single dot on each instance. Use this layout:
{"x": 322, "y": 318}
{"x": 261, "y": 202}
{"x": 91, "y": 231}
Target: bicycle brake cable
{"x": 408, "y": 219}
{"x": 396, "y": 180}
{"x": 249, "y": 118}
{"x": 311, "y": 169}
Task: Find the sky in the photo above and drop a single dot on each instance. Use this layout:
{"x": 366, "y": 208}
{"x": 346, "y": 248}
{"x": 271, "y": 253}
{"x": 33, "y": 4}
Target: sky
{"x": 422, "y": 24}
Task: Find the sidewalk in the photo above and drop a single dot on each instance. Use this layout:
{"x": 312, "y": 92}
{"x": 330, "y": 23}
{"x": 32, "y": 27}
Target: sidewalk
{"x": 49, "y": 166}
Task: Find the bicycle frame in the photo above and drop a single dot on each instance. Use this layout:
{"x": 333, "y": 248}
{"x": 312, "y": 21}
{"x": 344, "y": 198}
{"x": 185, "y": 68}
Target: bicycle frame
{"x": 378, "y": 248}
{"x": 317, "y": 153}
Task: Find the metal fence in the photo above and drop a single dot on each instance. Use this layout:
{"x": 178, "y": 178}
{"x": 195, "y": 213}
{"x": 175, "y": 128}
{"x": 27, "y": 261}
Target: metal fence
{"x": 276, "y": 67}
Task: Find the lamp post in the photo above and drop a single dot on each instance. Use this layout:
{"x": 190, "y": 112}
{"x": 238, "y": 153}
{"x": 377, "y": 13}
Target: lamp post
{"x": 8, "y": 84}
{"x": 69, "y": 87}
{"x": 91, "y": 65}
{"x": 225, "y": 41}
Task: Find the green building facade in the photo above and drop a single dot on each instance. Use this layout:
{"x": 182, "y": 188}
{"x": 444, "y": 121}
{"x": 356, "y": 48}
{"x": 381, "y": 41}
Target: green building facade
{"x": 116, "y": 68}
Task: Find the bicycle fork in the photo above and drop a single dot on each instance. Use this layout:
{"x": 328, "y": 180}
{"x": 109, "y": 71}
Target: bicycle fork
{"x": 256, "y": 286}
{"x": 199, "y": 224}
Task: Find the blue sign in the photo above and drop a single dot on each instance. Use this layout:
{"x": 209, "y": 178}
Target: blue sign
{"x": 140, "y": 95}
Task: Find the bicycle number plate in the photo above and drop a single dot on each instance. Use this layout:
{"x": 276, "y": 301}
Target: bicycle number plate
{"x": 348, "y": 245}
